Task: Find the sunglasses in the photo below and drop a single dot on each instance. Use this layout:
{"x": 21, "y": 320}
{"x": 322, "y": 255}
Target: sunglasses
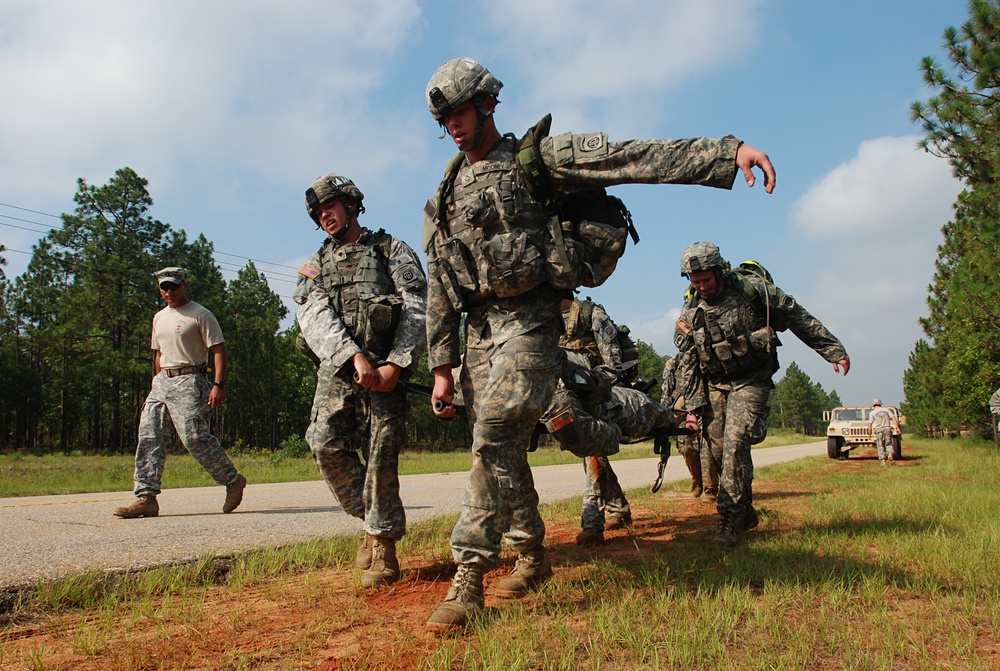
{"x": 169, "y": 286}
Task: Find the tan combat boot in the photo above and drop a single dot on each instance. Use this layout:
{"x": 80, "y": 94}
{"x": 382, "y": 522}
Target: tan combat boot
{"x": 464, "y": 600}
{"x": 384, "y": 569}
{"x": 145, "y": 506}
{"x": 531, "y": 570}
{"x": 234, "y": 494}
{"x": 589, "y": 538}
{"x": 364, "y": 556}
{"x": 693, "y": 461}
{"x": 617, "y": 521}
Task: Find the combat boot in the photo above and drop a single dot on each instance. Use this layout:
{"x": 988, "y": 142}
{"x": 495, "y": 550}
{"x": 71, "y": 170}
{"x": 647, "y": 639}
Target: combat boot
{"x": 726, "y": 535}
{"x": 234, "y": 494}
{"x": 693, "y": 461}
{"x": 384, "y": 569}
{"x": 590, "y": 538}
{"x": 364, "y": 556}
{"x": 748, "y": 520}
{"x": 617, "y": 521}
{"x": 145, "y": 506}
{"x": 709, "y": 495}
{"x": 464, "y": 600}
{"x": 531, "y": 570}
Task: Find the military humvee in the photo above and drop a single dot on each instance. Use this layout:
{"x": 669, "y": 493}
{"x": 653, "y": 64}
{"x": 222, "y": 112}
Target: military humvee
{"x": 849, "y": 429}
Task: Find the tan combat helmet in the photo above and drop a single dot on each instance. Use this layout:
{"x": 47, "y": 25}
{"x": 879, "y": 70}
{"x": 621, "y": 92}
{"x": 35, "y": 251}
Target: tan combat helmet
{"x": 457, "y": 81}
{"x": 329, "y": 187}
{"x": 701, "y": 256}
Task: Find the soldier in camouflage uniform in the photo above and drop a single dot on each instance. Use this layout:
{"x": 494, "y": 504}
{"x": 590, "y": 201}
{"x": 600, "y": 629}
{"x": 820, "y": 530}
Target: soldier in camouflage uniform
{"x": 183, "y": 393}
{"x": 593, "y": 334}
{"x": 694, "y": 450}
{"x": 362, "y": 300}
{"x": 485, "y": 238}
{"x": 730, "y": 321}
{"x": 882, "y": 425}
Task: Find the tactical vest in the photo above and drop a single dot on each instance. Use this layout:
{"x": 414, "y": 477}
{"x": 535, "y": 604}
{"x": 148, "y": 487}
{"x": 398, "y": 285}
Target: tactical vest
{"x": 730, "y": 336}
{"x": 356, "y": 277}
{"x": 579, "y": 334}
{"x": 489, "y": 233}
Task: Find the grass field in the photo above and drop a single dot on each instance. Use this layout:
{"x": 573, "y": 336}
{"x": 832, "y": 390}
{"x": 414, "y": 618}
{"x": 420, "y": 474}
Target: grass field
{"x": 28, "y": 475}
{"x": 854, "y": 566}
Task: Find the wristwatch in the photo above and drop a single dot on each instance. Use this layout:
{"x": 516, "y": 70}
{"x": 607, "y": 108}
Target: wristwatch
{"x": 221, "y": 384}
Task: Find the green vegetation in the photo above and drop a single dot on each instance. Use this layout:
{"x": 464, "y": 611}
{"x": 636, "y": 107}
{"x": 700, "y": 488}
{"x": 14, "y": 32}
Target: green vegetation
{"x": 29, "y": 475}
{"x": 854, "y": 566}
{"x": 952, "y": 373}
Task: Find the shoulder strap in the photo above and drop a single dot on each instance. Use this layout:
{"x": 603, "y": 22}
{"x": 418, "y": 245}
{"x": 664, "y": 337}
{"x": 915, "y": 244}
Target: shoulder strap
{"x": 529, "y": 160}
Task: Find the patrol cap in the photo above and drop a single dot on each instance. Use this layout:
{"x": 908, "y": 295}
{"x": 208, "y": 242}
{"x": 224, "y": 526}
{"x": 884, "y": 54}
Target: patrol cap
{"x": 701, "y": 256}
{"x": 170, "y": 274}
{"x": 876, "y": 402}
{"x": 457, "y": 81}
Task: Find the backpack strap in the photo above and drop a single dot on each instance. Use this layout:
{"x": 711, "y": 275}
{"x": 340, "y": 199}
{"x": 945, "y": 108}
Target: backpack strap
{"x": 529, "y": 160}
{"x": 434, "y": 210}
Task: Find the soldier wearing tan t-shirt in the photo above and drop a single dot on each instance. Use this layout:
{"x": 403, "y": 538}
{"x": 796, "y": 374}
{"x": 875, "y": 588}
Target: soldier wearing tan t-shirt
{"x": 184, "y": 335}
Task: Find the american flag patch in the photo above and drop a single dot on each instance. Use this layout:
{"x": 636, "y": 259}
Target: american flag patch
{"x": 309, "y": 271}
{"x": 684, "y": 326}
{"x": 562, "y": 420}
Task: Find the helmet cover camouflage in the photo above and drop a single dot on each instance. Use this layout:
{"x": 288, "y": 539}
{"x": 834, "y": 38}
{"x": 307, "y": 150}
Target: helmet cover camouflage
{"x": 457, "y": 81}
{"x": 329, "y": 187}
{"x": 701, "y": 256}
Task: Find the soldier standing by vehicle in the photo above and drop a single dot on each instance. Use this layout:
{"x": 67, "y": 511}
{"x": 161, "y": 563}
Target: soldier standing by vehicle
{"x": 730, "y": 321}
{"x": 362, "y": 300}
{"x": 694, "y": 450}
{"x": 184, "y": 334}
{"x": 882, "y": 427}
{"x": 486, "y": 235}
{"x": 591, "y": 333}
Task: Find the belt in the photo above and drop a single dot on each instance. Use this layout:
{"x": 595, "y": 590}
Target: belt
{"x": 186, "y": 370}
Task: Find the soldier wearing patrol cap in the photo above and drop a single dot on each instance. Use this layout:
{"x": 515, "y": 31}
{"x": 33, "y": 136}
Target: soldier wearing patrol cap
{"x": 492, "y": 268}
{"x": 184, "y": 391}
{"x": 730, "y": 322}
{"x": 361, "y": 304}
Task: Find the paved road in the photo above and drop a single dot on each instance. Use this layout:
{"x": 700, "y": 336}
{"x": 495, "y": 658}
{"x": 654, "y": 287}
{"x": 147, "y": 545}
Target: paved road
{"x": 51, "y": 536}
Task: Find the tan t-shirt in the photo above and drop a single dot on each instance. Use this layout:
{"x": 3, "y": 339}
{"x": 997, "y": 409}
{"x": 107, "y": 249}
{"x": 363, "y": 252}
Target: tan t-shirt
{"x": 183, "y": 335}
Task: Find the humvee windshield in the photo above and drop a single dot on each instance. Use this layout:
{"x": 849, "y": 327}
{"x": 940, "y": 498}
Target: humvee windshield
{"x": 848, "y": 415}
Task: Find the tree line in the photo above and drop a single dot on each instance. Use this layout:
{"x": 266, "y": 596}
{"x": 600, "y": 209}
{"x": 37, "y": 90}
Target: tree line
{"x": 955, "y": 368}
{"x": 75, "y": 355}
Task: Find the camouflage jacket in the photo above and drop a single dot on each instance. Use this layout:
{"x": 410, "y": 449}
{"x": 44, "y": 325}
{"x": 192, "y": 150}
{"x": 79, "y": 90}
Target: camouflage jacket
{"x": 332, "y": 337}
{"x": 731, "y": 340}
{"x": 476, "y": 218}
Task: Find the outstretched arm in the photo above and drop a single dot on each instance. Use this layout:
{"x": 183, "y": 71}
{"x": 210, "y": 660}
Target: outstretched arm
{"x": 748, "y": 158}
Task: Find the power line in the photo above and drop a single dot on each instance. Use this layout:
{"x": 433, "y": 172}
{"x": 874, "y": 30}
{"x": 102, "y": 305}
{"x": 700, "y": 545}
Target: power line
{"x": 55, "y": 216}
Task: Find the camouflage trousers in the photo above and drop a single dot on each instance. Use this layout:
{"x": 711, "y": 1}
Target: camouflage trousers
{"x": 735, "y": 420}
{"x": 506, "y": 387}
{"x": 347, "y": 418}
{"x": 883, "y": 443}
{"x": 698, "y": 458}
{"x": 601, "y": 494}
{"x": 182, "y": 401}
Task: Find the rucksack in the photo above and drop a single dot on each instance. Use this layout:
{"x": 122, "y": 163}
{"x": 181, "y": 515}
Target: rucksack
{"x": 589, "y": 227}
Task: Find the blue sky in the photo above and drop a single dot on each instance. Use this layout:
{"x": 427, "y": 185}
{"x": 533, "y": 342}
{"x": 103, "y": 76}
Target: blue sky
{"x": 231, "y": 109}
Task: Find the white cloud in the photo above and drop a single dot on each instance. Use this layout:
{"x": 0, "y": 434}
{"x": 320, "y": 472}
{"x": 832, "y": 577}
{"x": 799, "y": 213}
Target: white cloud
{"x": 90, "y": 87}
{"x": 587, "y": 51}
{"x": 890, "y": 187}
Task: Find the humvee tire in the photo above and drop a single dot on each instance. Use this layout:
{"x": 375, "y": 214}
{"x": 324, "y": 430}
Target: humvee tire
{"x": 897, "y": 448}
{"x": 833, "y": 447}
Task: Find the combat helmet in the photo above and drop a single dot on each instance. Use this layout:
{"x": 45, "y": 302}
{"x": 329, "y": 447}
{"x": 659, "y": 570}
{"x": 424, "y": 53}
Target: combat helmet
{"x": 701, "y": 256}
{"x": 329, "y": 187}
{"x": 457, "y": 81}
